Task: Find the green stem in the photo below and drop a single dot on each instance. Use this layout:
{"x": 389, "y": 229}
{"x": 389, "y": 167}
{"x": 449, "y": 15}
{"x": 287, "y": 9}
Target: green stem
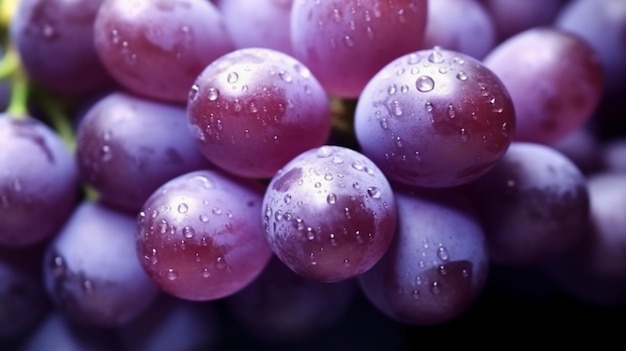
{"x": 10, "y": 69}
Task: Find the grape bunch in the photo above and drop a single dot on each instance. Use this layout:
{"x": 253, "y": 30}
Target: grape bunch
{"x": 310, "y": 174}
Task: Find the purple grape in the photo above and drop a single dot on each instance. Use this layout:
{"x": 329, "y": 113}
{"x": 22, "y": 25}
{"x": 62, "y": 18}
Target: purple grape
{"x": 345, "y": 42}
{"x": 200, "y": 237}
{"x": 23, "y": 300}
{"x": 91, "y": 268}
{"x": 594, "y": 272}
{"x": 54, "y": 39}
{"x": 434, "y": 118}
{"x": 157, "y": 48}
{"x": 552, "y": 96}
{"x": 38, "y": 181}
{"x": 512, "y": 16}
{"x": 534, "y": 205}
{"x": 437, "y": 264}
{"x": 263, "y": 23}
{"x": 171, "y": 324}
{"x": 329, "y": 214}
{"x": 127, "y": 146}
{"x": 613, "y": 155}
{"x": 252, "y": 110}
{"x": 583, "y": 147}
{"x": 283, "y": 306}
{"x": 602, "y": 23}
{"x": 464, "y": 26}
{"x": 55, "y": 332}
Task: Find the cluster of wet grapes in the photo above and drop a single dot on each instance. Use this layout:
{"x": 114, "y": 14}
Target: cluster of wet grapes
{"x": 200, "y": 175}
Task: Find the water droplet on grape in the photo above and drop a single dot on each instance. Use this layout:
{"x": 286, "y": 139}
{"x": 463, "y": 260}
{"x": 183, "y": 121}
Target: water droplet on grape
{"x": 324, "y": 152}
{"x": 213, "y": 94}
{"x": 374, "y": 192}
{"x": 424, "y": 84}
{"x": 172, "y": 274}
{"x": 206, "y": 273}
{"x": 188, "y": 232}
{"x": 183, "y": 208}
{"x": 194, "y": 92}
{"x": 232, "y": 77}
{"x": 331, "y": 199}
{"x": 220, "y": 263}
{"x": 391, "y": 89}
{"x": 286, "y": 77}
{"x": 451, "y": 111}
{"x": 346, "y": 263}
{"x": 442, "y": 253}
{"x": 287, "y": 198}
{"x": 429, "y": 107}
{"x": 461, "y": 76}
{"x": 435, "y": 288}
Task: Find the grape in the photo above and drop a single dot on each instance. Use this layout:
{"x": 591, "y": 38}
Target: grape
{"x": 171, "y": 324}
{"x": 38, "y": 181}
{"x": 437, "y": 264}
{"x": 127, "y": 146}
{"x": 534, "y": 205}
{"x": 54, "y": 39}
{"x": 55, "y": 332}
{"x": 434, "y": 118}
{"x": 345, "y": 42}
{"x": 257, "y": 23}
{"x": 282, "y": 306}
{"x": 91, "y": 269}
{"x": 252, "y": 110}
{"x": 460, "y": 25}
{"x": 329, "y": 214}
{"x": 23, "y": 300}
{"x": 158, "y": 47}
{"x": 512, "y": 16}
{"x": 613, "y": 155}
{"x": 552, "y": 96}
{"x": 602, "y": 23}
{"x": 583, "y": 148}
{"x": 595, "y": 271}
{"x": 199, "y": 236}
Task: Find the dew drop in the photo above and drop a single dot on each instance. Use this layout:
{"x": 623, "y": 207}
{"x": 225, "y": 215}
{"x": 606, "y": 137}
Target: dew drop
{"x": 204, "y": 218}
{"x": 442, "y": 253}
{"x": 374, "y": 192}
{"x": 188, "y": 232}
{"x": 325, "y": 151}
{"x": 461, "y": 76}
{"x": 172, "y": 274}
{"x": 286, "y": 77}
{"x": 310, "y": 233}
{"x": 183, "y": 208}
{"x": 428, "y": 107}
{"x": 232, "y": 77}
{"x": 348, "y": 41}
{"x": 346, "y": 262}
{"x": 194, "y": 92}
{"x": 206, "y": 273}
{"x": 220, "y": 263}
{"x": 154, "y": 257}
{"x": 435, "y": 288}
{"x": 404, "y": 89}
{"x": 435, "y": 56}
{"x": 451, "y": 111}
{"x": 424, "y": 84}
{"x": 328, "y": 176}
{"x": 392, "y": 89}
{"x": 331, "y": 199}
{"x": 287, "y": 198}
{"x": 213, "y": 94}
{"x": 384, "y": 124}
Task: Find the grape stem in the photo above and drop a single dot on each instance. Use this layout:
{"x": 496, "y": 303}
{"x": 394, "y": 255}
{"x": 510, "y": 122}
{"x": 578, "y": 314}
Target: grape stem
{"x": 10, "y": 68}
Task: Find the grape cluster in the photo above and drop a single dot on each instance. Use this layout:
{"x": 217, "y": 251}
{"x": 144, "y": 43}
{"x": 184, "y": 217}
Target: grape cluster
{"x": 311, "y": 174}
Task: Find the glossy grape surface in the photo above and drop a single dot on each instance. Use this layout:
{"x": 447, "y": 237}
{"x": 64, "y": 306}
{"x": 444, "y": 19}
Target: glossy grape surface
{"x": 199, "y": 236}
{"x": 253, "y": 110}
{"x": 435, "y": 118}
{"x": 329, "y": 214}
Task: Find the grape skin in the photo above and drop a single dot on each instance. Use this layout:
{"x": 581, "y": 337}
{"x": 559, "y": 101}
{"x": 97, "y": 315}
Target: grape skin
{"x": 434, "y": 118}
{"x": 329, "y": 214}
{"x": 534, "y": 205}
{"x": 437, "y": 265}
{"x": 258, "y": 100}
{"x": 91, "y": 270}
{"x": 38, "y": 181}
{"x": 552, "y": 96}
{"x": 345, "y": 42}
{"x": 156, "y": 48}
{"x": 199, "y": 236}
{"x": 127, "y": 146}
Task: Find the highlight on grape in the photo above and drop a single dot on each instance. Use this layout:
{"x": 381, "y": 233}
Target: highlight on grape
{"x": 309, "y": 174}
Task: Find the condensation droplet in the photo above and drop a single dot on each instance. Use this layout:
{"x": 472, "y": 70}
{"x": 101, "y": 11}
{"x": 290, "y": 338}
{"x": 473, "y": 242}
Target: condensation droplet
{"x": 220, "y": 263}
{"x": 204, "y": 218}
{"x": 331, "y": 199}
{"x": 392, "y": 89}
{"x": 424, "y": 84}
{"x": 346, "y": 262}
{"x": 232, "y": 77}
{"x": 428, "y": 107}
{"x": 435, "y": 288}
{"x": 188, "y": 232}
{"x": 287, "y": 198}
{"x": 194, "y": 92}
{"x": 324, "y": 152}
{"x": 183, "y": 208}
{"x": 374, "y": 192}
{"x": 286, "y": 77}
{"x": 461, "y": 76}
{"x": 172, "y": 274}
{"x": 451, "y": 111}
{"x": 442, "y": 253}
{"x": 213, "y": 94}
{"x": 435, "y": 56}
{"x": 206, "y": 273}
